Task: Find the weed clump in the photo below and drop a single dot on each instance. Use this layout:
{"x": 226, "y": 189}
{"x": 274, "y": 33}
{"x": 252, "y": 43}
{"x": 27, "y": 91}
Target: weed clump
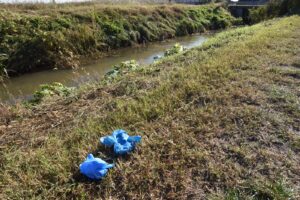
{"x": 122, "y": 68}
{"x": 49, "y": 90}
{"x": 177, "y": 48}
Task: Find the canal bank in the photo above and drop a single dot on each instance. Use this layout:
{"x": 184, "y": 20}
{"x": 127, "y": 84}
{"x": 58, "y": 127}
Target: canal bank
{"x": 48, "y": 37}
{"x": 22, "y": 87}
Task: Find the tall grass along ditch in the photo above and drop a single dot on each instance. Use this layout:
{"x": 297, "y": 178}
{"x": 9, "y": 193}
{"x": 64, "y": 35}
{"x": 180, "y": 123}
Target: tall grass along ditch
{"x": 50, "y": 37}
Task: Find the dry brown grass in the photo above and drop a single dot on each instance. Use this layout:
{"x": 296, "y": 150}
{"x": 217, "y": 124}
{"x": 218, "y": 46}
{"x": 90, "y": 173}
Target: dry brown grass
{"x": 79, "y": 7}
{"x": 218, "y": 122}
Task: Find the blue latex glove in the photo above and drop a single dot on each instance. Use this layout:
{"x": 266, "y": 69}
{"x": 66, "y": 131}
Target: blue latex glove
{"x": 121, "y": 141}
{"x": 94, "y": 168}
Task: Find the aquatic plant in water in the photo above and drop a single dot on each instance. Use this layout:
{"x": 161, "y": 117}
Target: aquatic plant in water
{"x": 177, "y": 48}
{"x": 47, "y": 90}
{"x": 123, "y": 68}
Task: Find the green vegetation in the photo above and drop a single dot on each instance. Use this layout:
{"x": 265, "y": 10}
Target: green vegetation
{"x": 177, "y": 48}
{"x": 259, "y": 191}
{"x": 218, "y": 122}
{"x": 56, "y": 37}
{"x": 274, "y": 8}
{"x": 122, "y": 68}
{"x": 50, "y": 90}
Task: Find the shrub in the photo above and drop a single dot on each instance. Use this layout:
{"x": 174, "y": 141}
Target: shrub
{"x": 274, "y": 8}
{"x": 257, "y": 15}
{"x": 220, "y": 22}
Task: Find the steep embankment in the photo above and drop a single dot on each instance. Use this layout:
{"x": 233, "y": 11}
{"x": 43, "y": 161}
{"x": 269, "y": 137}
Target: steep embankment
{"x": 220, "y": 121}
{"x": 49, "y": 37}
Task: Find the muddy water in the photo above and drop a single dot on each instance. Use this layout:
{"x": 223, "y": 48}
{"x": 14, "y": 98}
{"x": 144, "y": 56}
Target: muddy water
{"x": 22, "y": 87}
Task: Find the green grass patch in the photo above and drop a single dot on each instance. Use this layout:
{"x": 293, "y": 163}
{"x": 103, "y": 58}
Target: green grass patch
{"x": 217, "y": 121}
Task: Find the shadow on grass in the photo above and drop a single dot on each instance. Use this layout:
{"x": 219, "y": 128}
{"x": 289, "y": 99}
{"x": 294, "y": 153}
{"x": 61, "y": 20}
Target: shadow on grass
{"x": 106, "y": 154}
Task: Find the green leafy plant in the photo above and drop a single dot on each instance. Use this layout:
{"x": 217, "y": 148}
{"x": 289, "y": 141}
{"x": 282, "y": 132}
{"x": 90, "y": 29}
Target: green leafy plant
{"x": 48, "y": 90}
{"x": 177, "y": 48}
{"x": 122, "y": 68}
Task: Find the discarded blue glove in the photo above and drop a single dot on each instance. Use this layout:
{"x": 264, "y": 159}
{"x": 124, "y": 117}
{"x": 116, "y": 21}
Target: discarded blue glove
{"x": 121, "y": 141}
{"x": 94, "y": 168}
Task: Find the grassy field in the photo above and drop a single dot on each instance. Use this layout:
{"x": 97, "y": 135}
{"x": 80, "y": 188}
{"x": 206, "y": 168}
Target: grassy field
{"x": 218, "y": 122}
{"x": 39, "y": 37}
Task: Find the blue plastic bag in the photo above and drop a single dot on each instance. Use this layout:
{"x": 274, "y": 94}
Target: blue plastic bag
{"x": 94, "y": 168}
{"x": 121, "y": 141}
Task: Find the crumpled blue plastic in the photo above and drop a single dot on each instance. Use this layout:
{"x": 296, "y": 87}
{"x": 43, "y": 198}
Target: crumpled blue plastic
{"x": 121, "y": 141}
{"x": 94, "y": 168}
